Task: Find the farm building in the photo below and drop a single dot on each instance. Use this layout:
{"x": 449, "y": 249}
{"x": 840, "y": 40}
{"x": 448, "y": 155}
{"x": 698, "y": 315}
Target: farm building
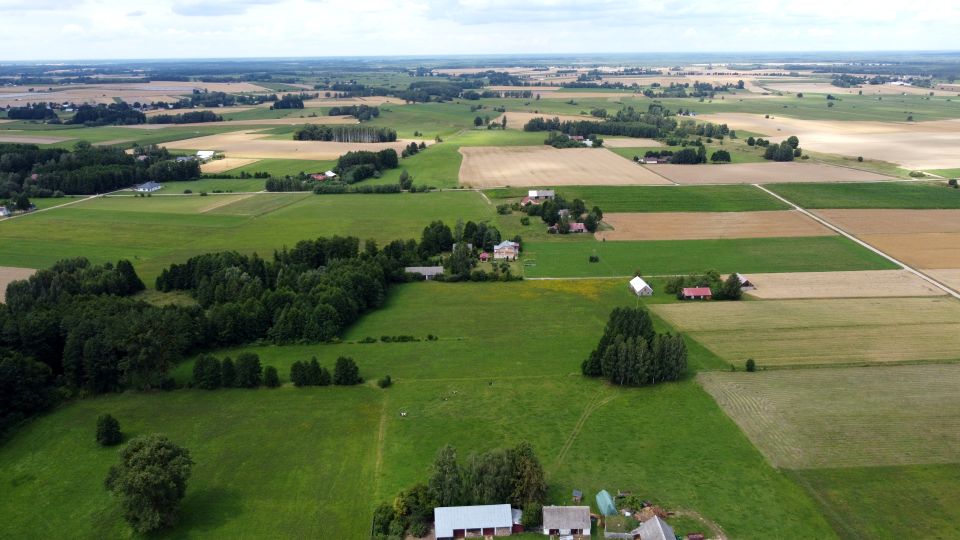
{"x": 4, "y": 212}
{"x": 541, "y": 194}
{"x": 640, "y": 287}
{"x": 205, "y": 155}
{"x": 321, "y": 177}
{"x": 578, "y": 228}
{"x": 577, "y": 495}
{"x": 506, "y": 250}
{"x": 182, "y": 159}
{"x": 652, "y": 160}
{"x": 745, "y": 283}
{"x": 484, "y": 257}
{"x": 148, "y": 187}
{"x": 428, "y": 272}
{"x": 566, "y": 520}
{"x": 696, "y": 293}
{"x": 605, "y": 503}
{"x": 655, "y": 529}
{"x": 464, "y": 521}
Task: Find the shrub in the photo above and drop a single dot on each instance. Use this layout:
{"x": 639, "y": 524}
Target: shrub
{"x": 525, "y": 220}
{"x": 860, "y": 159}
{"x": 419, "y": 529}
{"x": 594, "y": 258}
{"x": 270, "y": 377}
{"x": 385, "y": 382}
{"x": 298, "y": 374}
{"x": 207, "y": 373}
{"x": 108, "y": 431}
{"x": 751, "y": 366}
{"x": 952, "y": 182}
{"x": 187, "y": 191}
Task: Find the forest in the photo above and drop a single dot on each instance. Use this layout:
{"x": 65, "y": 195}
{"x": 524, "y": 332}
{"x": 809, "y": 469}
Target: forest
{"x": 345, "y": 133}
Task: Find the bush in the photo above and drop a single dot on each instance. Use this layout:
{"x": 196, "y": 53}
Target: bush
{"x": 525, "y": 220}
{"x": 108, "y": 431}
{"x": 270, "y": 377}
{"x": 419, "y": 529}
{"x": 594, "y": 258}
{"x": 385, "y": 382}
{"x": 751, "y": 366}
{"x": 860, "y": 159}
{"x": 952, "y": 182}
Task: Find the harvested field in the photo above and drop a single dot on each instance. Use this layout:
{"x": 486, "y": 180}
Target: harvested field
{"x": 255, "y": 145}
{"x": 948, "y": 276}
{"x": 864, "y": 284}
{"x": 920, "y": 250}
{"x": 763, "y": 173}
{"x": 877, "y": 416}
{"x": 225, "y": 164}
{"x": 489, "y": 166}
{"x": 823, "y": 332}
{"x": 915, "y": 145}
{"x": 11, "y": 273}
{"x": 701, "y": 225}
{"x": 31, "y": 139}
{"x": 610, "y": 142}
{"x": 890, "y": 221}
{"x": 867, "y": 89}
{"x": 516, "y": 120}
{"x": 218, "y": 110}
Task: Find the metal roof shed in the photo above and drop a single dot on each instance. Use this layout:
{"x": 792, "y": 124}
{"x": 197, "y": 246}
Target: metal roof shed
{"x": 447, "y": 519}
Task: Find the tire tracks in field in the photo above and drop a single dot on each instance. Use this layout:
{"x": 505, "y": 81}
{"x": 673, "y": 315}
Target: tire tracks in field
{"x": 591, "y": 407}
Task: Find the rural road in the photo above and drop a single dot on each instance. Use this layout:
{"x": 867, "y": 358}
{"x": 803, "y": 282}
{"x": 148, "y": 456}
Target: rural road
{"x": 841, "y": 231}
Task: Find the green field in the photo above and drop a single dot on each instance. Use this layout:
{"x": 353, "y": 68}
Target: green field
{"x": 212, "y": 184}
{"x": 123, "y": 136}
{"x": 918, "y": 195}
{"x": 739, "y": 153}
{"x": 284, "y": 167}
{"x": 733, "y": 198}
{"x": 569, "y": 257}
{"x": 947, "y": 173}
{"x": 288, "y": 460}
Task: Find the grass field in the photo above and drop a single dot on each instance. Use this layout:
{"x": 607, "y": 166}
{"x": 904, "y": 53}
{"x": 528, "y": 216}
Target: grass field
{"x": 912, "y": 195}
{"x": 113, "y": 133}
{"x": 213, "y": 184}
{"x": 947, "y": 173}
{"x": 779, "y": 333}
{"x": 662, "y": 198}
{"x": 569, "y": 258}
{"x": 284, "y": 167}
{"x": 341, "y": 451}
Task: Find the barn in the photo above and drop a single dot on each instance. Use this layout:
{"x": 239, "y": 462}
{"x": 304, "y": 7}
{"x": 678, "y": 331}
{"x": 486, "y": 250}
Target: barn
{"x": 640, "y": 287}
{"x": 697, "y": 293}
{"x": 566, "y": 520}
{"x": 464, "y": 521}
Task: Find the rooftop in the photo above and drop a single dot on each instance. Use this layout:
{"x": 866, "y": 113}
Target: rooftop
{"x": 566, "y": 517}
{"x": 448, "y": 518}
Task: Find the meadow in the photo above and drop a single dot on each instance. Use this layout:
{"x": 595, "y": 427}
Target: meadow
{"x": 123, "y": 136}
{"x": 283, "y": 167}
{"x": 346, "y": 449}
{"x": 907, "y": 195}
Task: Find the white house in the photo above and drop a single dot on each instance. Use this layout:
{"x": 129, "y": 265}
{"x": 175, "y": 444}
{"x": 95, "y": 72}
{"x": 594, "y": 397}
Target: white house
{"x": 654, "y": 529}
{"x": 506, "y": 250}
{"x": 566, "y": 520}
{"x": 640, "y": 287}
{"x": 148, "y": 187}
{"x": 205, "y": 155}
{"x": 472, "y": 521}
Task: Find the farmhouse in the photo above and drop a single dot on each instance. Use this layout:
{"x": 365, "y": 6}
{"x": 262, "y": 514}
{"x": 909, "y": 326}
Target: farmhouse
{"x": 640, "y": 287}
{"x": 696, "y": 293}
{"x": 428, "y": 272}
{"x": 566, "y": 520}
{"x": 506, "y": 250}
{"x": 470, "y": 521}
{"x": 205, "y": 155}
{"x": 148, "y": 187}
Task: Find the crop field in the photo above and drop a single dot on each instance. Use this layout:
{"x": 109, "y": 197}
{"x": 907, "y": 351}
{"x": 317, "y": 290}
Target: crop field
{"x": 284, "y": 167}
{"x": 864, "y": 284}
{"x": 14, "y": 137}
{"x": 155, "y": 231}
{"x": 248, "y": 144}
{"x": 570, "y": 258}
{"x": 729, "y": 198}
{"x": 225, "y": 164}
{"x": 99, "y": 135}
{"x": 877, "y": 195}
{"x": 349, "y": 449}
{"x": 211, "y": 185}
{"x": 763, "y": 173}
{"x": 850, "y": 417}
{"x": 948, "y": 276}
{"x": 544, "y": 165}
{"x": 778, "y": 333}
{"x": 8, "y": 274}
{"x": 702, "y": 225}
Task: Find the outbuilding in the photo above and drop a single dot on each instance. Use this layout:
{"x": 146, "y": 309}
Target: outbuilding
{"x": 205, "y": 155}
{"x": 566, "y": 520}
{"x": 470, "y": 521}
{"x": 697, "y": 293}
{"x": 4, "y": 212}
{"x": 745, "y": 283}
{"x": 640, "y": 287}
{"x": 541, "y": 194}
{"x": 148, "y": 187}
{"x": 654, "y": 529}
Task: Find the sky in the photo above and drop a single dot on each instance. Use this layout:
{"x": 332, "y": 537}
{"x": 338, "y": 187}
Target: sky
{"x": 116, "y": 29}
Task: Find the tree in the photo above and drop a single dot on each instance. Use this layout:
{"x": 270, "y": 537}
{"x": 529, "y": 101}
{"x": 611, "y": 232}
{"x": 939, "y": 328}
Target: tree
{"x": 151, "y": 480}
{"x": 529, "y": 483}
{"x": 345, "y": 372}
{"x": 270, "y": 377}
{"x": 720, "y": 156}
{"x": 228, "y": 373}
{"x": 325, "y": 378}
{"x": 298, "y": 374}
{"x": 793, "y": 141}
{"x": 108, "y": 431}
{"x": 24, "y": 388}
{"x": 249, "y": 371}
{"x": 406, "y": 181}
{"x": 207, "y": 372}
{"x": 731, "y": 289}
{"x": 313, "y": 372}
{"x": 444, "y": 484}
{"x": 751, "y": 366}
{"x": 751, "y": 141}
{"x": 478, "y": 121}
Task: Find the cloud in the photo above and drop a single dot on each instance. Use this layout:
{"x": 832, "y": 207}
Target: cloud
{"x": 138, "y": 13}
{"x": 216, "y": 8}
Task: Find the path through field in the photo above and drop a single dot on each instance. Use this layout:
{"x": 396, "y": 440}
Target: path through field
{"x": 592, "y": 406}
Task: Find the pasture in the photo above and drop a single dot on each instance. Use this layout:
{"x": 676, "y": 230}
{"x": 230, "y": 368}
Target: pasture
{"x": 907, "y": 195}
{"x": 702, "y": 225}
{"x": 283, "y": 167}
{"x": 851, "y": 417}
{"x": 340, "y": 451}
{"x": 259, "y": 145}
{"x": 544, "y": 165}
{"x": 730, "y": 198}
{"x": 863, "y": 284}
{"x": 780, "y": 333}
{"x": 763, "y": 173}
{"x": 570, "y": 258}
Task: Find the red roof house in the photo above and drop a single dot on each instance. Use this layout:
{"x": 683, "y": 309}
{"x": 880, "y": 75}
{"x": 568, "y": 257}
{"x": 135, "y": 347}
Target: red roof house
{"x": 696, "y": 293}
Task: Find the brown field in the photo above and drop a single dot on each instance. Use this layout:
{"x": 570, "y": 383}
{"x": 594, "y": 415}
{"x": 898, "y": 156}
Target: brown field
{"x": 11, "y": 273}
{"x": 626, "y": 142}
{"x": 849, "y": 417}
{"x": 218, "y": 110}
{"x": 487, "y": 166}
{"x": 516, "y": 120}
{"x": 864, "y": 284}
{"x": 920, "y": 250}
{"x": 369, "y": 100}
{"x": 245, "y": 144}
{"x": 763, "y": 173}
{"x": 823, "y": 332}
{"x": 865, "y": 221}
{"x": 948, "y": 276}
{"x": 868, "y": 89}
{"x": 104, "y": 93}
{"x": 290, "y": 121}
{"x": 30, "y": 139}
{"x": 914, "y": 145}
{"x": 225, "y": 164}
{"x": 703, "y": 225}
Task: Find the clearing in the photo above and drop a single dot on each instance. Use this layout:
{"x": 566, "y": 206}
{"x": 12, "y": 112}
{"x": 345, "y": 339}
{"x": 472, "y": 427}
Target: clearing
{"x": 258, "y": 145}
{"x": 491, "y": 166}
{"x": 763, "y": 173}
{"x": 823, "y": 332}
{"x": 876, "y": 416}
{"x": 863, "y": 284}
{"x": 10, "y": 273}
{"x": 701, "y": 225}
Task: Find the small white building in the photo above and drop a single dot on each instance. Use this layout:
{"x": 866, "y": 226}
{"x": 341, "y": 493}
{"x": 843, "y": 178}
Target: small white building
{"x": 640, "y": 287}
{"x": 541, "y": 194}
{"x": 205, "y": 155}
{"x": 428, "y": 272}
{"x": 473, "y": 521}
{"x": 566, "y": 520}
{"x": 4, "y": 212}
{"x": 148, "y": 187}
{"x": 745, "y": 283}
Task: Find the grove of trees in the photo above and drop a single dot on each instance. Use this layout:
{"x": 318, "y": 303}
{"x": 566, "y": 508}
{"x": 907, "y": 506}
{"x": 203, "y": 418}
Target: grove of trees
{"x": 630, "y": 353}
{"x": 345, "y": 133}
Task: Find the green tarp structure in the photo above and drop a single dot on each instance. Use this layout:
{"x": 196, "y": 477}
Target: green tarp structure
{"x": 605, "y": 503}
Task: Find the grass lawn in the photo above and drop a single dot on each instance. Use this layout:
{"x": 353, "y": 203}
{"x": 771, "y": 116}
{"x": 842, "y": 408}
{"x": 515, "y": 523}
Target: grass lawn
{"x": 732, "y": 198}
{"x": 569, "y": 257}
{"x": 50, "y": 202}
{"x": 275, "y": 461}
{"x": 910, "y": 195}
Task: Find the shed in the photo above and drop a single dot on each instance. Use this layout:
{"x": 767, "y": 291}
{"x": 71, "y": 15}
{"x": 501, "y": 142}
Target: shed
{"x": 541, "y": 194}
{"x": 745, "y": 283}
{"x": 148, "y": 187}
{"x": 428, "y": 272}
{"x": 605, "y": 503}
{"x": 566, "y": 520}
{"x": 577, "y": 495}
{"x": 330, "y": 175}
{"x": 4, "y": 212}
{"x": 655, "y": 529}
{"x": 462, "y": 521}
{"x": 204, "y": 155}
{"x": 697, "y": 293}
{"x": 484, "y": 257}
{"x": 640, "y": 287}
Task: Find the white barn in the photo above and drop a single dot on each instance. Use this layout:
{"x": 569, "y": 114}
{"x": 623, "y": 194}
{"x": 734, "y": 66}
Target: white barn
{"x": 640, "y": 287}
{"x": 470, "y": 521}
{"x": 204, "y": 155}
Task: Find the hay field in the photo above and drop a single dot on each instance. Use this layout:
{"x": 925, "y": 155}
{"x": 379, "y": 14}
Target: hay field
{"x": 877, "y": 416}
{"x": 701, "y": 225}
{"x": 256, "y": 145}
{"x": 31, "y": 139}
{"x": 867, "y": 89}
{"x": 11, "y": 273}
{"x": 948, "y": 276}
{"x": 823, "y": 332}
{"x": 920, "y": 250}
{"x": 763, "y": 173}
{"x": 492, "y": 166}
{"x": 225, "y": 164}
{"x": 914, "y": 145}
{"x": 862, "y": 284}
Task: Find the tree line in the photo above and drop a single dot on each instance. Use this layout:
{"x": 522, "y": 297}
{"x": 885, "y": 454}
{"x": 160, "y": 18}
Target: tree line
{"x": 31, "y": 111}
{"x": 720, "y": 289}
{"x": 345, "y": 133}
{"x": 360, "y": 112}
{"x": 110, "y": 114}
{"x": 192, "y": 117}
{"x": 630, "y": 353}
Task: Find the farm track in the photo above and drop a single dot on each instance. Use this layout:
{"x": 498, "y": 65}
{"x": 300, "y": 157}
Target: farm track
{"x": 591, "y": 407}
